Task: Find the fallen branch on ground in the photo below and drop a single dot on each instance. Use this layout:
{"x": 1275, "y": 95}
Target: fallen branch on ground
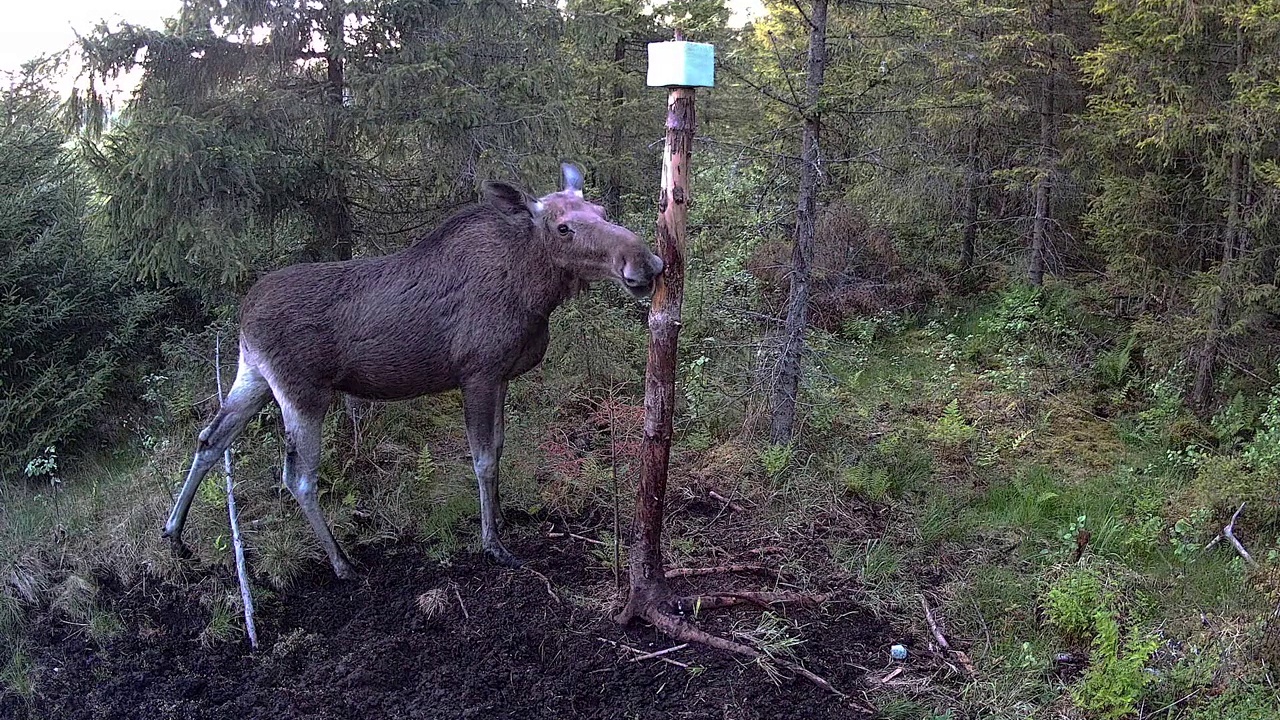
{"x": 659, "y": 653}
{"x": 764, "y": 600}
{"x": 941, "y": 639}
{"x": 680, "y": 629}
{"x": 461, "y": 604}
{"x": 1229, "y": 533}
{"x": 734, "y": 568}
{"x": 550, "y": 590}
{"x": 237, "y": 541}
{"x": 642, "y": 654}
{"x": 732, "y": 505}
{"x": 576, "y": 536}
{"x": 896, "y": 672}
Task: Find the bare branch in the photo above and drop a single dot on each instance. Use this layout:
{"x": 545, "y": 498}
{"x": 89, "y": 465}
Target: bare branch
{"x": 237, "y": 541}
{"x": 1229, "y": 533}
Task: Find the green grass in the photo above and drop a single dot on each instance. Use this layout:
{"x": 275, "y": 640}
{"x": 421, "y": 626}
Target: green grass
{"x": 1019, "y": 514}
{"x": 952, "y": 456}
{"x": 17, "y": 674}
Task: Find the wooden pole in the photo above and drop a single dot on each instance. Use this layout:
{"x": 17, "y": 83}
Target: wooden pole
{"x": 648, "y": 576}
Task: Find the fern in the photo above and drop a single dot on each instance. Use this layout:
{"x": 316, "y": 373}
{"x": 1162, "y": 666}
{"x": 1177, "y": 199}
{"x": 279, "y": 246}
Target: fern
{"x": 952, "y": 430}
{"x": 1115, "y": 680}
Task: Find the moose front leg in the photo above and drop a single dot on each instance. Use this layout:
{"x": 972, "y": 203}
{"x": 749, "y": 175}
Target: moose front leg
{"x": 482, "y": 403}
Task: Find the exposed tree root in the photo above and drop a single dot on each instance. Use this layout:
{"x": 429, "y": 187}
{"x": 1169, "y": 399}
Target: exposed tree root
{"x": 764, "y": 600}
{"x": 733, "y": 568}
{"x": 678, "y": 628}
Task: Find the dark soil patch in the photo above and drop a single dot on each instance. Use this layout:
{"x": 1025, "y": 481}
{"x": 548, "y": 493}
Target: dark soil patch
{"x": 366, "y": 650}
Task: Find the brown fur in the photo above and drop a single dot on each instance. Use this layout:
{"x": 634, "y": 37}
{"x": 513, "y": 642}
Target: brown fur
{"x": 465, "y": 307}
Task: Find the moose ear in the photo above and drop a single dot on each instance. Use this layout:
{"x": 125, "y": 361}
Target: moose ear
{"x": 510, "y": 199}
{"x": 572, "y": 178}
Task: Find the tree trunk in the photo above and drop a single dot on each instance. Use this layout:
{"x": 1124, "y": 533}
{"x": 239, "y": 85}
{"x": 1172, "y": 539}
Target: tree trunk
{"x": 1040, "y": 225}
{"x": 648, "y": 578}
{"x": 1234, "y": 240}
{"x": 613, "y": 183}
{"x": 787, "y": 382}
{"x": 969, "y": 214}
{"x": 333, "y": 209}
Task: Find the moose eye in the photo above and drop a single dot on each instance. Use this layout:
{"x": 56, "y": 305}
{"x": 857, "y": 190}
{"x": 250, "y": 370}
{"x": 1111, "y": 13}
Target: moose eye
{"x": 564, "y": 230}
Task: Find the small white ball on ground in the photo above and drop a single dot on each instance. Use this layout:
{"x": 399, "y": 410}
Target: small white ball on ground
{"x": 898, "y": 652}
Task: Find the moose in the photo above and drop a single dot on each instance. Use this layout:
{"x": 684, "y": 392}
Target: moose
{"x": 465, "y": 307}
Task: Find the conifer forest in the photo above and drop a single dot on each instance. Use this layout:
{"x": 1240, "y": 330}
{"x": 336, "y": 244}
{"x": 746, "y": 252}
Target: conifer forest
{"x": 976, "y": 402}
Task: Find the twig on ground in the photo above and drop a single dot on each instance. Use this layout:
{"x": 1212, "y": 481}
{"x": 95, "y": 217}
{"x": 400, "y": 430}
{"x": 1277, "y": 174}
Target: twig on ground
{"x": 642, "y": 653}
{"x": 1175, "y": 703}
{"x": 237, "y": 541}
{"x": 933, "y": 625}
{"x": 896, "y": 672}
{"x": 767, "y": 550}
{"x": 732, "y": 505}
{"x": 660, "y": 653}
{"x": 719, "y": 569}
{"x": 461, "y": 604}
{"x": 576, "y": 536}
{"x": 960, "y": 656}
{"x": 1229, "y": 533}
{"x": 621, "y": 646}
{"x": 550, "y": 590}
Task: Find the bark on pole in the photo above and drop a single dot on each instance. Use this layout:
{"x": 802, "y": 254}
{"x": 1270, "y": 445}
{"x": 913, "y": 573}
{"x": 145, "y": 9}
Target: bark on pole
{"x": 648, "y": 577}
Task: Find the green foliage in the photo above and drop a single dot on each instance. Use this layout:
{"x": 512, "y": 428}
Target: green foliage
{"x": 1031, "y": 319}
{"x": 426, "y": 465}
{"x": 1072, "y": 604}
{"x": 1256, "y": 702}
{"x": 1114, "y": 682}
{"x": 871, "y": 483}
{"x": 221, "y": 627}
{"x": 441, "y": 526}
{"x": 71, "y": 324}
{"x": 17, "y": 675}
{"x": 1114, "y": 366}
{"x": 283, "y": 551}
{"x": 951, "y": 430}
{"x": 775, "y": 460}
{"x": 1263, "y": 452}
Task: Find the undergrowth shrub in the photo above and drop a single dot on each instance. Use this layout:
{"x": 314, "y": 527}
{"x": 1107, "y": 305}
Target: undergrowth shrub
{"x": 893, "y": 467}
{"x": 1072, "y": 603}
{"x": 73, "y": 329}
{"x": 1032, "y": 320}
{"x": 952, "y": 434}
{"x": 1114, "y": 681}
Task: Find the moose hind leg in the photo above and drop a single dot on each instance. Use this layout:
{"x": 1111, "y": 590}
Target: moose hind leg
{"x": 301, "y": 473}
{"x": 483, "y": 407}
{"x": 499, "y": 439}
{"x": 248, "y": 395}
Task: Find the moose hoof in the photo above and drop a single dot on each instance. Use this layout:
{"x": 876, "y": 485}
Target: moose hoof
{"x": 503, "y": 557}
{"x": 179, "y": 548}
